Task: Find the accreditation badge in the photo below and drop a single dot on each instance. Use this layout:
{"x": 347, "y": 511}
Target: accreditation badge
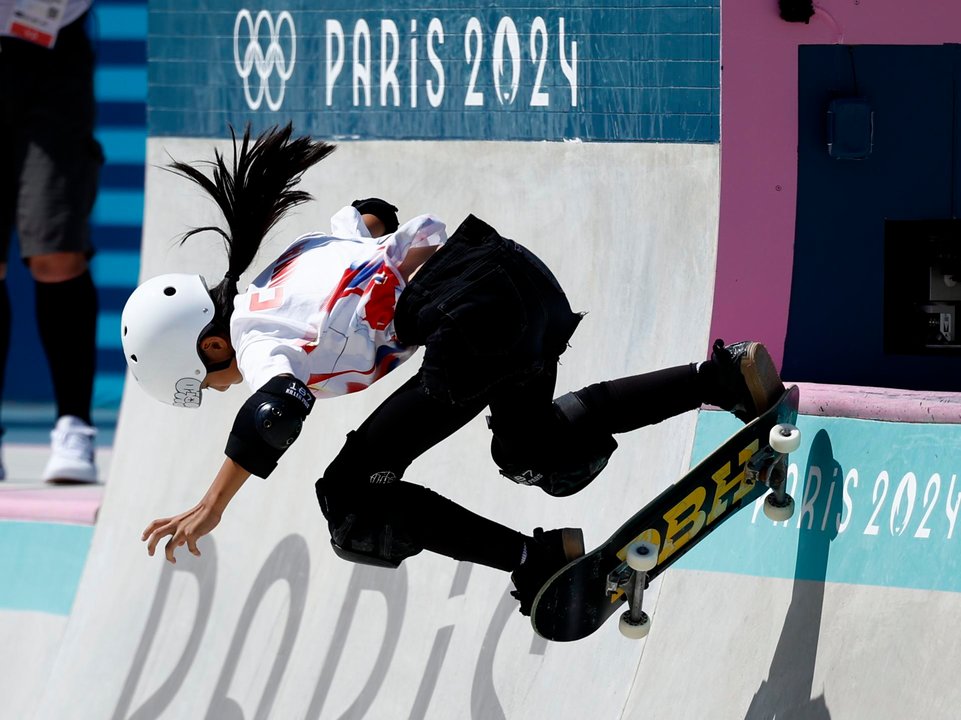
{"x": 37, "y": 21}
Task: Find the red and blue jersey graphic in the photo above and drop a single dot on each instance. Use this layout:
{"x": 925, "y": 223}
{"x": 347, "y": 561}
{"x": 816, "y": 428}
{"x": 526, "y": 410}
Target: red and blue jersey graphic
{"x": 323, "y": 311}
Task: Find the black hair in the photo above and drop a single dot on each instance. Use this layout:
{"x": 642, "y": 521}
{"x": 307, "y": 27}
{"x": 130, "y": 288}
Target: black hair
{"x": 253, "y": 195}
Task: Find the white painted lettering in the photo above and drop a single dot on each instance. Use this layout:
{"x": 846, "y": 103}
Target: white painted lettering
{"x": 908, "y": 486}
{"x": 923, "y": 530}
{"x": 506, "y": 34}
{"x": 851, "y": 479}
{"x": 335, "y": 61}
{"x": 952, "y": 510}
{"x": 510, "y": 74}
{"x": 413, "y": 63}
{"x": 882, "y": 482}
{"x": 807, "y": 505}
{"x": 388, "y": 67}
{"x": 473, "y": 56}
{"x": 539, "y": 40}
{"x": 362, "y": 69}
{"x": 435, "y": 94}
{"x": 569, "y": 68}
{"x": 827, "y": 505}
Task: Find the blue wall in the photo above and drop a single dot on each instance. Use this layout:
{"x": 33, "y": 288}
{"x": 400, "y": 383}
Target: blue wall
{"x": 839, "y": 292}
{"x": 647, "y": 71}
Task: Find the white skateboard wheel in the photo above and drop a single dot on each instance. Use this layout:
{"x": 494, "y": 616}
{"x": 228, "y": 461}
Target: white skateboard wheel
{"x": 778, "y": 513}
{"x": 642, "y": 556}
{"x": 634, "y": 630}
{"x": 785, "y": 438}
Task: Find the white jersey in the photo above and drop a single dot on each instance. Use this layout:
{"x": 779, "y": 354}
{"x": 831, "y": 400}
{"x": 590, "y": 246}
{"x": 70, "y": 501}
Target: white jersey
{"x": 324, "y": 310}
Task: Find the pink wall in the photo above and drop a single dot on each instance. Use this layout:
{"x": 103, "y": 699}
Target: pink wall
{"x": 759, "y": 56}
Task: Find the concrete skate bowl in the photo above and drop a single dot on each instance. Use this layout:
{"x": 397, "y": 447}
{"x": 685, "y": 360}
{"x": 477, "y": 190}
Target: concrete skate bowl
{"x": 821, "y": 617}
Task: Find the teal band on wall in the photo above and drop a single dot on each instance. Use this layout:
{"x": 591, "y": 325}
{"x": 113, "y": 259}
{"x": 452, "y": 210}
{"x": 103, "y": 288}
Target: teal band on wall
{"x": 876, "y": 504}
{"x": 41, "y": 564}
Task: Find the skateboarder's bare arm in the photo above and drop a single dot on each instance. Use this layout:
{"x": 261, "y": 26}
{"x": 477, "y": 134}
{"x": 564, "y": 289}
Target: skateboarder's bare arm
{"x": 188, "y": 527}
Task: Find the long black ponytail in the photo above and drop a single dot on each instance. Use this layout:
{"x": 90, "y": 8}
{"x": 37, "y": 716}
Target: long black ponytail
{"x": 253, "y": 196}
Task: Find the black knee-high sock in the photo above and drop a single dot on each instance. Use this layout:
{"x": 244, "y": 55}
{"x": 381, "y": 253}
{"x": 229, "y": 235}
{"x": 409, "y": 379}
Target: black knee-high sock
{"x": 444, "y": 527}
{"x": 4, "y": 333}
{"x": 629, "y": 403}
{"x": 67, "y": 321}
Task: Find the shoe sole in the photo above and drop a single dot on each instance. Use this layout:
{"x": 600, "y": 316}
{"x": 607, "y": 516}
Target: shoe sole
{"x": 572, "y": 540}
{"x": 761, "y": 376}
{"x": 71, "y": 474}
{"x": 71, "y": 481}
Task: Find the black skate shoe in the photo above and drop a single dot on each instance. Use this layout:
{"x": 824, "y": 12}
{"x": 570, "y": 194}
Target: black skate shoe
{"x": 548, "y": 553}
{"x": 741, "y": 378}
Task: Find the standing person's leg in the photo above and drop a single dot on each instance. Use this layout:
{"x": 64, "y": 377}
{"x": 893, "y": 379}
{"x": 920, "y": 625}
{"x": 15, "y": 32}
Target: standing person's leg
{"x": 19, "y": 83}
{"x": 58, "y": 186}
{"x": 66, "y": 307}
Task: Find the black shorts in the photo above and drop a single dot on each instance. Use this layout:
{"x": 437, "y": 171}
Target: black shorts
{"x": 49, "y": 159}
{"x": 488, "y": 313}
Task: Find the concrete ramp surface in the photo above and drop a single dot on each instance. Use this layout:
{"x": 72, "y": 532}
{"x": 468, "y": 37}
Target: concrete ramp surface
{"x": 828, "y": 615}
{"x": 268, "y": 622}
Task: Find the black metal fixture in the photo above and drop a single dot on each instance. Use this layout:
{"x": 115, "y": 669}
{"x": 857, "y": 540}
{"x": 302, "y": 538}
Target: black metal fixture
{"x": 796, "y": 10}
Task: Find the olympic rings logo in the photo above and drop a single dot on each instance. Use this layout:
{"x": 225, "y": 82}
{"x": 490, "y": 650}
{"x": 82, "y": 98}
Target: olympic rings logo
{"x": 264, "y": 63}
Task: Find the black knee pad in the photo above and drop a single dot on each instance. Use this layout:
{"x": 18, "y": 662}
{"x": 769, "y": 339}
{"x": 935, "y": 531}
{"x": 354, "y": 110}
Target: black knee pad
{"x": 562, "y": 481}
{"x": 268, "y": 423}
{"x": 356, "y": 499}
{"x": 367, "y": 540}
{"x": 580, "y": 452}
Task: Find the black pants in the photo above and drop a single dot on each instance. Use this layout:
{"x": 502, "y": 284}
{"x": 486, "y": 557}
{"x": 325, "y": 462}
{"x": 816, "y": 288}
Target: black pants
{"x": 494, "y": 322}
{"x": 49, "y": 159}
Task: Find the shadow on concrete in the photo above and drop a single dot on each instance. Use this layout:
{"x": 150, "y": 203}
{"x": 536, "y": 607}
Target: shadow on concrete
{"x": 788, "y": 691}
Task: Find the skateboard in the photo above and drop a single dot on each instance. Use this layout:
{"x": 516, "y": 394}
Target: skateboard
{"x": 580, "y": 597}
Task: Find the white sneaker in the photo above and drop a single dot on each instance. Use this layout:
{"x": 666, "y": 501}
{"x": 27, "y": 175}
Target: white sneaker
{"x": 71, "y": 452}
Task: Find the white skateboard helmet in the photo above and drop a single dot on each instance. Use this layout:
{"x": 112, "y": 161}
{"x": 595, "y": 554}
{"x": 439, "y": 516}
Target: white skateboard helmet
{"x": 160, "y": 327}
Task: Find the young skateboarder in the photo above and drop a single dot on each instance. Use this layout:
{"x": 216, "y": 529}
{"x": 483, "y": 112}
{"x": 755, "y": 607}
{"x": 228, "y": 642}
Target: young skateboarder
{"x": 337, "y": 311}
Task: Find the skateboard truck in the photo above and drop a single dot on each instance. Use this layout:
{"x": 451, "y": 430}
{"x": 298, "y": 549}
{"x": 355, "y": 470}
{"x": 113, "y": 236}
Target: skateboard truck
{"x": 769, "y": 466}
{"x": 631, "y": 577}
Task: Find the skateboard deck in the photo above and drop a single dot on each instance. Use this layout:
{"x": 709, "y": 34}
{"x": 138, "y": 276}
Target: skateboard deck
{"x": 579, "y": 598}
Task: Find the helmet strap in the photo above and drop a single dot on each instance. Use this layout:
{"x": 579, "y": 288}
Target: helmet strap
{"x": 218, "y": 366}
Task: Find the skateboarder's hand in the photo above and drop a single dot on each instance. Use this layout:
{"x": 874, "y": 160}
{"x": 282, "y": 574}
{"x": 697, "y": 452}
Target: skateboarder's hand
{"x": 183, "y": 529}
{"x": 190, "y": 526}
